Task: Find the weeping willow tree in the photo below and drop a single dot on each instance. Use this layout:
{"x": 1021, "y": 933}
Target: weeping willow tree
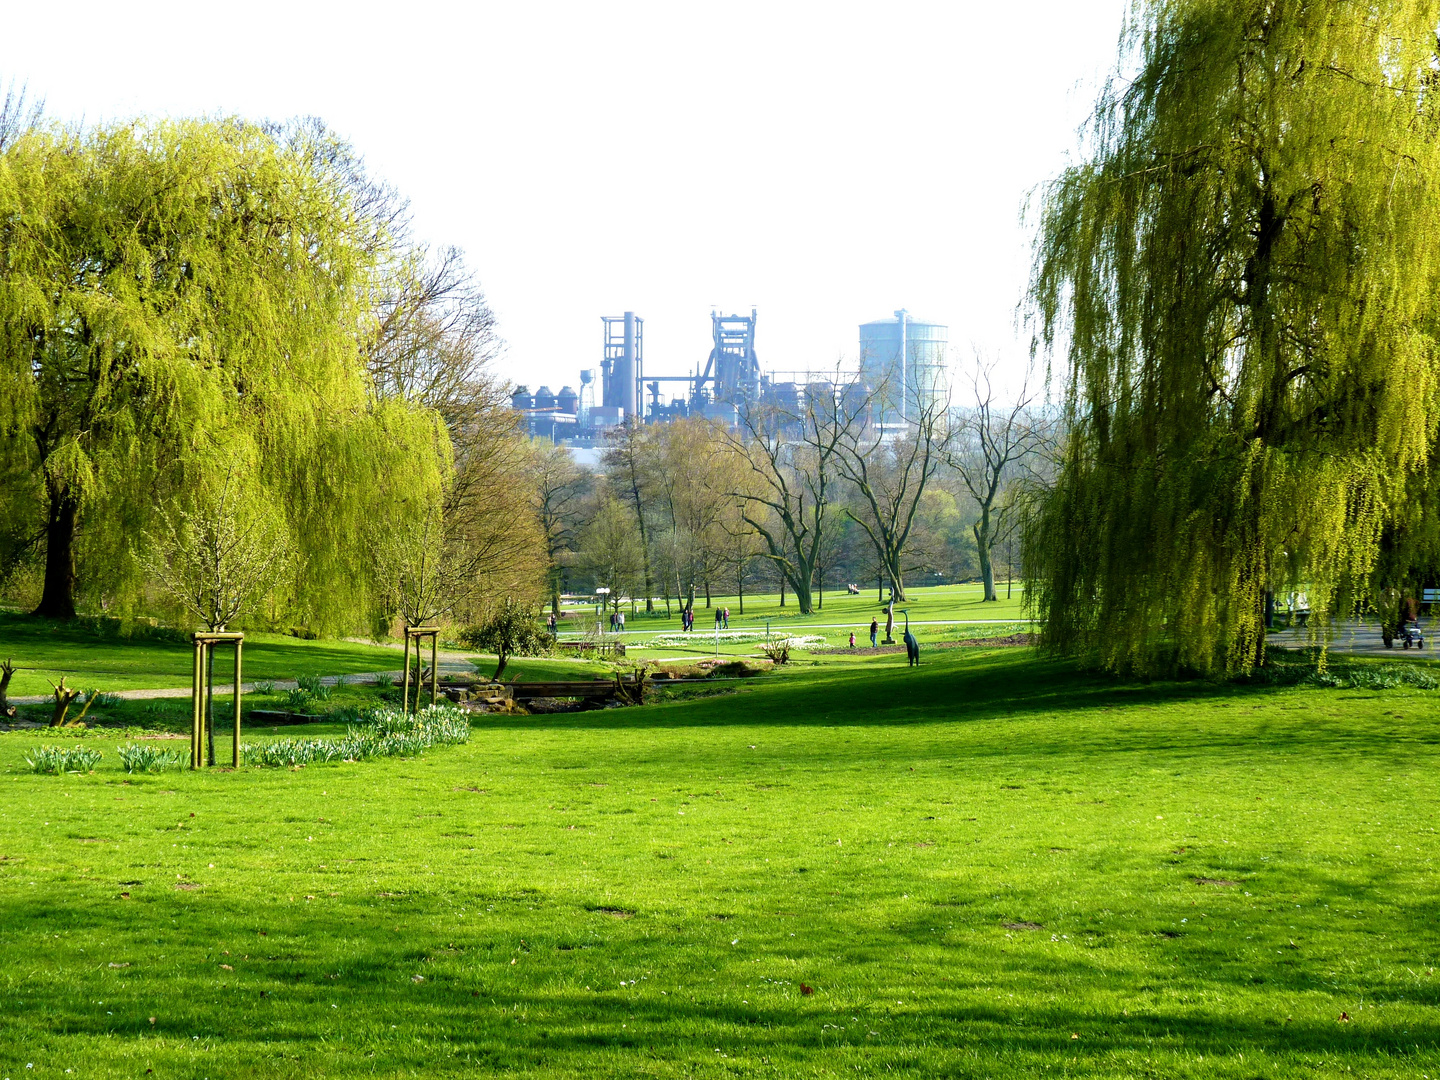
{"x": 1240, "y": 285}
{"x": 180, "y": 297}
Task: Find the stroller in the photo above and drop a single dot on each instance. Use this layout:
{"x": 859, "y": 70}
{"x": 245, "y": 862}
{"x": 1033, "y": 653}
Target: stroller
{"x": 1411, "y": 634}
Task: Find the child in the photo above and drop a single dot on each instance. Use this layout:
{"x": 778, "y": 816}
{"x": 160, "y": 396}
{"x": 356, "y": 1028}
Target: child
{"x": 852, "y": 639}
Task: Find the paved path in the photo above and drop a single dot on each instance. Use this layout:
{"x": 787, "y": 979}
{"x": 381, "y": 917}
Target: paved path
{"x": 1358, "y": 637}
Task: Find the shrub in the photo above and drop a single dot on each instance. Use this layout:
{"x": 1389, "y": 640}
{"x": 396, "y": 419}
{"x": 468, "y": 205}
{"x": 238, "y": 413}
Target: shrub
{"x": 377, "y": 733}
{"x": 778, "y": 650}
{"x": 298, "y": 698}
{"x": 384, "y": 680}
{"x": 266, "y": 687}
{"x": 513, "y": 630}
{"x": 145, "y": 758}
{"x": 62, "y": 759}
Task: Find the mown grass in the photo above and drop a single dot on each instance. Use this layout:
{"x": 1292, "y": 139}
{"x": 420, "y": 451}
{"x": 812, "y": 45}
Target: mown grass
{"x": 1214, "y": 874}
{"x": 951, "y": 603}
{"x": 44, "y": 650}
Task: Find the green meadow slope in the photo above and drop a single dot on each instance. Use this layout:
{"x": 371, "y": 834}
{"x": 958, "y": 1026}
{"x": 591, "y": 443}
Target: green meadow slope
{"x": 990, "y": 866}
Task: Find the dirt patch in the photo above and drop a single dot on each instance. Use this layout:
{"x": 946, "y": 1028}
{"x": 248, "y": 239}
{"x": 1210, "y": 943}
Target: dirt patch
{"x": 613, "y": 912}
{"x": 188, "y": 886}
{"x": 1221, "y": 882}
{"x": 1022, "y": 926}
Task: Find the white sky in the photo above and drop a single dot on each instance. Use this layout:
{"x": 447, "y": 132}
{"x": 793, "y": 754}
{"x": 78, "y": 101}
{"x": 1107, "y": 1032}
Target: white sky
{"x": 825, "y": 162}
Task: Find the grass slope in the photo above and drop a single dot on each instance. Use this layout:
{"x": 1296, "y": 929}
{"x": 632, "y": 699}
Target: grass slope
{"x": 648, "y": 892}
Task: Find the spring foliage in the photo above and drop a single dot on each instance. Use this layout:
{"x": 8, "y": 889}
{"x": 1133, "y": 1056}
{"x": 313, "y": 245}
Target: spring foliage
{"x": 1242, "y": 278}
{"x": 180, "y": 299}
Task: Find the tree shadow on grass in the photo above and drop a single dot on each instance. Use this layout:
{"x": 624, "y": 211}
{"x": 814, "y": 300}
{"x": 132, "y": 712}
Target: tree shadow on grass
{"x": 1011, "y": 687}
{"x": 314, "y": 978}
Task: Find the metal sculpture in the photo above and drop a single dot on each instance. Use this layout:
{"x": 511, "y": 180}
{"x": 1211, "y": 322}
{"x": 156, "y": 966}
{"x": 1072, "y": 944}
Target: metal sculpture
{"x": 912, "y": 647}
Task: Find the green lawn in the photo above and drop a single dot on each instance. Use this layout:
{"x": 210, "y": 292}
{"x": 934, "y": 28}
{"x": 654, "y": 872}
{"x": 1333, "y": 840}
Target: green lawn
{"x": 45, "y": 650}
{"x": 951, "y": 603}
{"x": 987, "y": 867}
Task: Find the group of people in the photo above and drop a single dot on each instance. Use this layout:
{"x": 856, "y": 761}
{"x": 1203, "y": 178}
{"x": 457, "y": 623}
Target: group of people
{"x": 617, "y": 622}
{"x": 687, "y": 619}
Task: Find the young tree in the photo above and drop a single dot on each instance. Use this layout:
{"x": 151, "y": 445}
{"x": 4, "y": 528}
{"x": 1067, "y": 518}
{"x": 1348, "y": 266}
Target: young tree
{"x": 511, "y": 630}
{"x": 219, "y": 555}
{"x": 992, "y": 454}
{"x": 1244, "y": 275}
{"x": 610, "y": 550}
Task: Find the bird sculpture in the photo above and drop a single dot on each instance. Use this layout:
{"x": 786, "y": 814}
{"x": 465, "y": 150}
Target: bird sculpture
{"x": 912, "y": 647}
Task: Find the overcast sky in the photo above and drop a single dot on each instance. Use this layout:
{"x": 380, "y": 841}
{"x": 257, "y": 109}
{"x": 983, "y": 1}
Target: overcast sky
{"x": 824, "y": 162}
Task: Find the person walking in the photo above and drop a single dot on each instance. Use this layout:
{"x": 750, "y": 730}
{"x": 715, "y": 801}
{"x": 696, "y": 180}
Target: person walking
{"x": 726, "y": 613}
{"x": 620, "y": 622}
{"x": 874, "y": 630}
{"x": 551, "y": 624}
{"x": 852, "y": 639}
{"x": 717, "y": 618}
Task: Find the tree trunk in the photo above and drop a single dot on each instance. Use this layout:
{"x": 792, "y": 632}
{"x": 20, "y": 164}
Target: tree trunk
{"x": 739, "y": 588}
{"x": 897, "y": 580}
{"x": 982, "y": 551}
{"x": 58, "y": 599}
{"x": 880, "y": 585}
{"x": 820, "y": 581}
{"x": 707, "y": 592}
{"x": 782, "y": 590}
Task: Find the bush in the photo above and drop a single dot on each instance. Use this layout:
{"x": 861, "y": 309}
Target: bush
{"x": 298, "y": 698}
{"x": 514, "y": 630}
{"x": 376, "y": 733}
{"x": 62, "y": 759}
{"x": 266, "y": 687}
{"x": 384, "y": 680}
{"x": 144, "y": 758}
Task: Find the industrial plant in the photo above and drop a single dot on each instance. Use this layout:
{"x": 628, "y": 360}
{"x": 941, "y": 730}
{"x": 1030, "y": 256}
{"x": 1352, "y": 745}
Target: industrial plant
{"x": 901, "y": 375}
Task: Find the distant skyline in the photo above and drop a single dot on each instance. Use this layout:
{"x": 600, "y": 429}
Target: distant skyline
{"x": 827, "y": 164}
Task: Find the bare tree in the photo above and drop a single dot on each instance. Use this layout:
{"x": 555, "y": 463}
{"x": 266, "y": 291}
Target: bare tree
{"x": 889, "y": 476}
{"x": 17, "y": 115}
{"x": 994, "y": 449}
{"x": 792, "y": 458}
{"x": 630, "y": 462}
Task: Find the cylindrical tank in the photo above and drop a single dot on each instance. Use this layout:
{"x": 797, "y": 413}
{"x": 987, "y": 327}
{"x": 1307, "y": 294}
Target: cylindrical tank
{"x": 521, "y": 399}
{"x": 544, "y": 399}
{"x": 905, "y": 359}
{"x": 567, "y": 399}
{"x": 625, "y": 370}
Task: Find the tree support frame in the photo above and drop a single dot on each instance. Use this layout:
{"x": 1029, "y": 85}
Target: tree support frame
{"x": 200, "y": 693}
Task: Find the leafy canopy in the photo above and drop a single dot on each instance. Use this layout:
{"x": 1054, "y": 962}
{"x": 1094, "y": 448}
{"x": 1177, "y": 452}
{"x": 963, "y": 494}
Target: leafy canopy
{"x": 1241, "y": 281}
